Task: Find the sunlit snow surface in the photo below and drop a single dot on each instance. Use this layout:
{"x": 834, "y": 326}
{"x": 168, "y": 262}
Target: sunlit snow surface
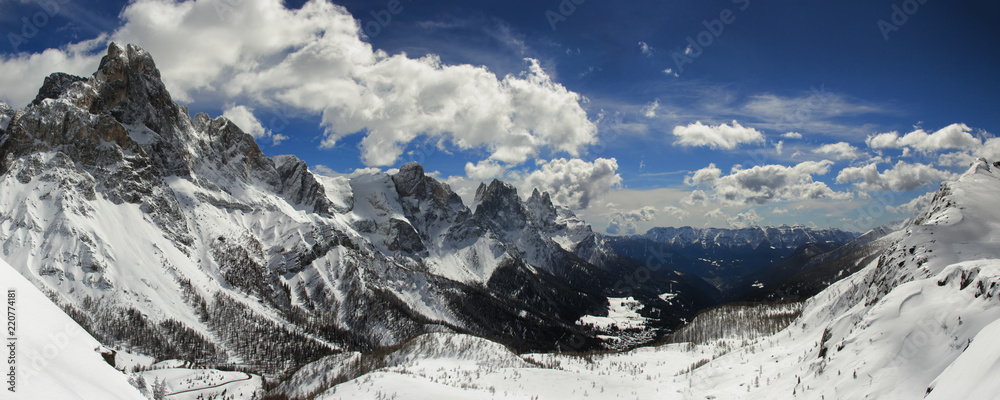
{"x": 56, "y": 358}
{"x": 623, "y": 313}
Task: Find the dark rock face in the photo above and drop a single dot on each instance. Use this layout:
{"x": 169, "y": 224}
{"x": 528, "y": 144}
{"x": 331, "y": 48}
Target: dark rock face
{"x": 55, "y": 85}
{"x": 497, "y": 204}
{"x": 299, "y": 186}
{"x": 431, "y": 206}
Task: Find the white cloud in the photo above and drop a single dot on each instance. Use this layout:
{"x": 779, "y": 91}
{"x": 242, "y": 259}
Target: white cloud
{"x": 990, "y": 150}
{"x": 625, "y": 222}
{"x": 677, "y": 212}
{"x": 716, "y": 213}
{"x": 484, "y": 170}
{"x": 670, "y": 71}
{"x": 370, "y": 171}
{"x": 315, "y": 60}
{"x": 745, "y": 220}
{"x": 901, "y": 177}
{"x": 697, "y": 197}
{"x": 646, "y": 49}
{"x": 779, "y": 211}
{"x": 954, "y": 136}
{"x": 22, "y": 74}
{"x": 716, "y": 136}
{"x": 779, "y": 147}
{"x": 704, "y": 177}
{"x": 838, "y": 151}
{"x": 650, "y": 109}
{"x": 765, "y": 183}
{"x": 575, "y": 183}
{"x": 243, "y": 117}
{"x": 915, "y": 206}
{"x": 792, "y": 135}
{"x": 321, "y": 169}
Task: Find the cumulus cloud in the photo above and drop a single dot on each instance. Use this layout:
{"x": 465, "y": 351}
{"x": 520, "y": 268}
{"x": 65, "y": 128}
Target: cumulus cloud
{"x": 716, "y": 136}
{"x": 625, "y": 222}
{"x": 243, "y": 117}
{"x": 676, "y": 212}
{"x": 792, "y": 135}
{"x": 838, "y": 151}
{"x": 484, "y": 170}
{"x": 697, "y": 197}
{"x": 704, "y": 177}
{"x": 22, "y": 74}
{"x": 913, "y": 207}
{"x": 765, "y": 183}
{"x": 901, "y": 177}
{"x": 954, "y": 136}
{"x": 716, "y": 213}
{"x": 315, "y": 59}
{"x": 575, "y": 183}
{"x": 744, "y": 220}
{"x": 990, "y": 150}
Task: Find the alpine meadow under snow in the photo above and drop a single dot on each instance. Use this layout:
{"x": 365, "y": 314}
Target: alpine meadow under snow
{"x": 155, "y": 247}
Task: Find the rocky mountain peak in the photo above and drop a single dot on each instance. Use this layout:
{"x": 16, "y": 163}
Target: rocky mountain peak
{"x": 540, "y": 204}
{"x": 410, "y": 179}
{"x": 128, "y": 86}
{"x": 55, "y": 85}
{"x": 499, "y": 203}
{"x": 299, "y": 185}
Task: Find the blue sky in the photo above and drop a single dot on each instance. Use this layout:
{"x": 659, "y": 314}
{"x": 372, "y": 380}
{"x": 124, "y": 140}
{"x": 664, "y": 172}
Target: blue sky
{"x": 814, "y": 112}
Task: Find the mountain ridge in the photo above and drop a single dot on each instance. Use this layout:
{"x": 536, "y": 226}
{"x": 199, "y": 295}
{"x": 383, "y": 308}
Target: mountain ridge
{"x": 123, "y": 206}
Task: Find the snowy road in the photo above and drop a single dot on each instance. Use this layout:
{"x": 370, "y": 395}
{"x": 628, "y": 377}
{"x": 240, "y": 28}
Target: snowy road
{"x": 249, "y": 377}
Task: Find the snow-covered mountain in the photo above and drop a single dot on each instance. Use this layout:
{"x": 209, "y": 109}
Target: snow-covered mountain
{"x": 918, "y": 321}
{"x": 778, "y": 237}
{"x": 175, "y": 236}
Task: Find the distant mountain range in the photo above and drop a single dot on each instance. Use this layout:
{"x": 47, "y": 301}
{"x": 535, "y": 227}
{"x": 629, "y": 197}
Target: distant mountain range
{"x": 731, "y": 259}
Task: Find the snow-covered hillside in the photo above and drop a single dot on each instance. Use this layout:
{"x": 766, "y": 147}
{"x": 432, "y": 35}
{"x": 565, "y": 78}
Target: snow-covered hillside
{"x": 54, "y": 358}
{"x": 921, "y": 321}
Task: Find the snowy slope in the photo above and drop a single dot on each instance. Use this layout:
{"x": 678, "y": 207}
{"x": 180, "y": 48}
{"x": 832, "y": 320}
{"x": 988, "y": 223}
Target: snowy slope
{"x": 56, "y": 358}
{"x": 919, "y": 322}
